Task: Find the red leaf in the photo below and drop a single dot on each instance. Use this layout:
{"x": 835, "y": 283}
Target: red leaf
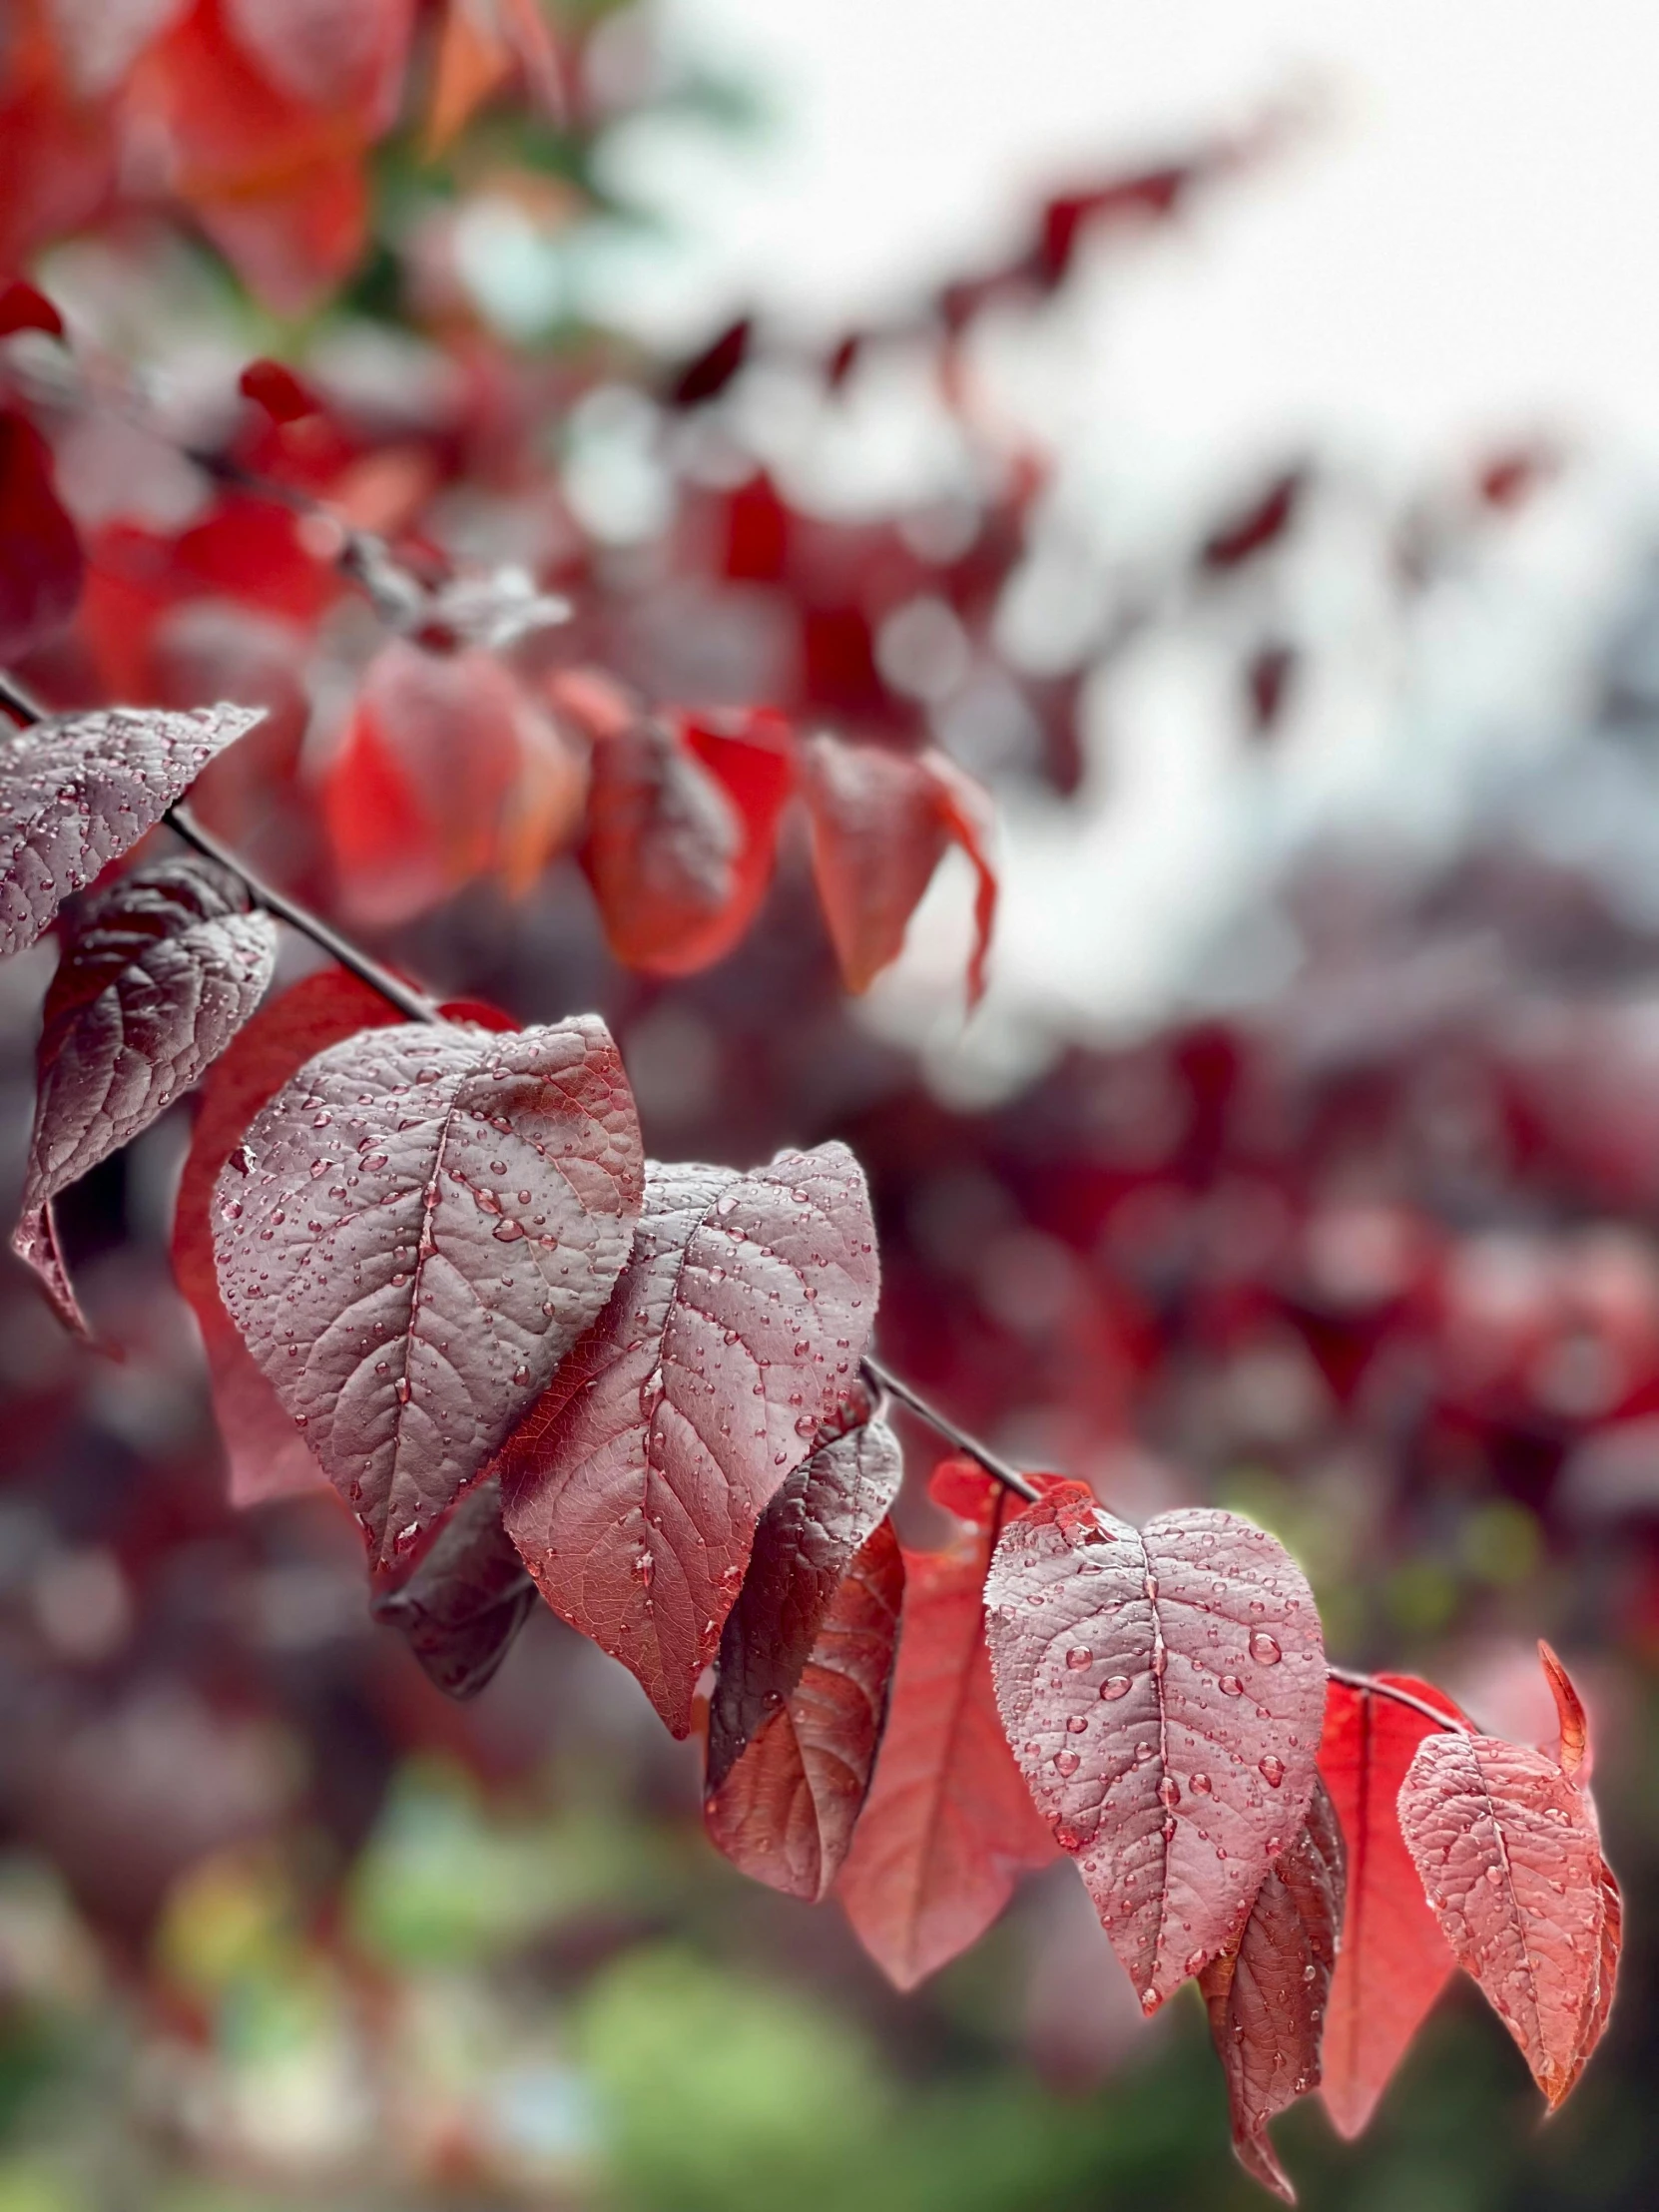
{"x": 1395, "y": 1960}
{"x": 22, "y": 308}
{"x": 750, "y": 752}
{"x": 1267, "y": 1994}
{"x": 482, "y": 43}
{"x": 278, "y": 390}
{"x": 41, "y": 565}
{"x": 881, "y": 824}
{"x": 949, "y": 1826}
{"x": 419, "y": 796}
{"x": 708, "y": 373}
{"x": 415, "y": 1231}
{"x": 466, "y": 1598}
{"x": 1510, "y": 1853}
{"x": 268, "y": 1456}
{"x": 664, "y": 852}
{"x": 634, "y": 1487}
{"x": 325, "y": 54}
{"x": 78, "y": 793}
{"x": 1573, "y": 1755}
{"x": 1162, "y": 1689}
{"x": 155, "y": 979}
{"x": 786, "y": 1812}
{"x": 800, "y": 1690}
{"x": 1262, "y": 523}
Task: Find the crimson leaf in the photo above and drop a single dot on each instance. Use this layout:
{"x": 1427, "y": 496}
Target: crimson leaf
{"x": 634, "y": 1487}
{"x": 800, "y": 1692}
{"x": 1394, "y": 1961}
{"x": 881, "y": 824}
{"x": 156, "y": 979}
{"x": 418, "y": 1227}
{"x": 663, "y": 849}
{"x": 1267, "y": 1994}
{"x": 1161, "y": 1689}
{"x": 78, "y": 793}
{"x": 786, "y": 1812}
{"x": 41, "y": 565}
{"x": 466, "y": 1598}
{"x": 268, "y": 1457}
{"x": 1508, "y": 1847}
{"x": 949, "y": 1826}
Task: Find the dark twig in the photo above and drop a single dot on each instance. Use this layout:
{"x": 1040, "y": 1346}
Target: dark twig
{"x": 1401, "y": 1697}
{"x": 1009, "y": 1478}
{"x": 26, "y": 709}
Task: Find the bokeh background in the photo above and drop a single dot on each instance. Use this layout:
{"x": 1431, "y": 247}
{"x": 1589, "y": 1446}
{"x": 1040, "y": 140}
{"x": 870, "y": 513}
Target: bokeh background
{"x": 1281, "y": 542}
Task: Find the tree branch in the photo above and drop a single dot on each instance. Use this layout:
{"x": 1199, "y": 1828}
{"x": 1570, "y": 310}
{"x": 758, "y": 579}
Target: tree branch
{"x": 1416, "y": 1704}
{"x": 27, "y": 710}
{"x": 1009, "y": 1478}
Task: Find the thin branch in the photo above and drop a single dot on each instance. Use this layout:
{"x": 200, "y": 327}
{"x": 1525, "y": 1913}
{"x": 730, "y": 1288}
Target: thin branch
{"x": 1379, "y": 1688}
{"x": 1009, "y": 1478}
{"x": 26, "y": 709}
{"x": 403, "y": 996}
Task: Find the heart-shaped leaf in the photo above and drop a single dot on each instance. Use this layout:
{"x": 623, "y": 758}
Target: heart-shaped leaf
{"x": 1163, "y": 1690}
{"x": 1395, "y": 1960}
{"x": 415, "y": 1232}
{"x": 806, "y": 1660}
{"x": 77, "y": 793}
{"x": 155, "y": 979}
{"x": 1509, "y": 1852}
{"x": 466, "y": 1598}
{"x": 949, "y": 1826}
{"x": 1267, "y": 1994}
{"x": 634, "y": 1489}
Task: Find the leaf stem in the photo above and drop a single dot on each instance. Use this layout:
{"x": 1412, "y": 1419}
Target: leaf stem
{"x": 1009, "y": 1478}
{"x": 1379, "y": 1688}
{"x": 21, "y": 704}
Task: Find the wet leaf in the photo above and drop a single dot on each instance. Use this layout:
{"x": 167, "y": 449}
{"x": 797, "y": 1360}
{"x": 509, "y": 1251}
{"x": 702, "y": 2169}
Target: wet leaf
{"x": 806, "y": 1659}
{"x": 155, "y": 979}
{"x": 268, "y": 1457}
{"x": 1267, "y": 1995}
{"x": 78, "y": 793}
{"x": 1163, "y": 1690}
{"x": 415, "y": 1232}
{"x": 634, "y": 1487}
{"x": 1509, "y": 1852}
{"x": 466, "y": 1598}
{"x": 1395, "y": 1960}
{"x": 949, "y": 1826}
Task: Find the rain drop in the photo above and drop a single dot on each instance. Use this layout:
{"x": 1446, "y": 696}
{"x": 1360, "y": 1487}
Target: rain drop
{"x": 1114, "y": 1687}
{"x": 1264, "y": 1649}
{"x": 1271, "y": 1770}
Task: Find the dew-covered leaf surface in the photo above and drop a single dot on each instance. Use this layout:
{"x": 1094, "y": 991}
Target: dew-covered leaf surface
{"x": 633, "y": 1490}
{"x": 466, "y": 1598}
{"x": 268, "y": 1457}
{"x": 410, "y": 1237}
{"x": 1267, "y": 1995}
{"x": 77, "y": 792}
{"x": 1162, "y": 1689}
{"x": 1510, "y": 1853}
{"x": 786, "y": 1808}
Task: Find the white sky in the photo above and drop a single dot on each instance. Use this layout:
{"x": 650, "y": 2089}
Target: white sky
{"x": 1459, "y": 248}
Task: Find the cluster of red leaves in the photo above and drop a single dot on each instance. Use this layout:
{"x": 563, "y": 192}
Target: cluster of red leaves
{"x": 433, "y": 1269}
{"x": 444, "y": 1279}
{"x": 254, "y": 118}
